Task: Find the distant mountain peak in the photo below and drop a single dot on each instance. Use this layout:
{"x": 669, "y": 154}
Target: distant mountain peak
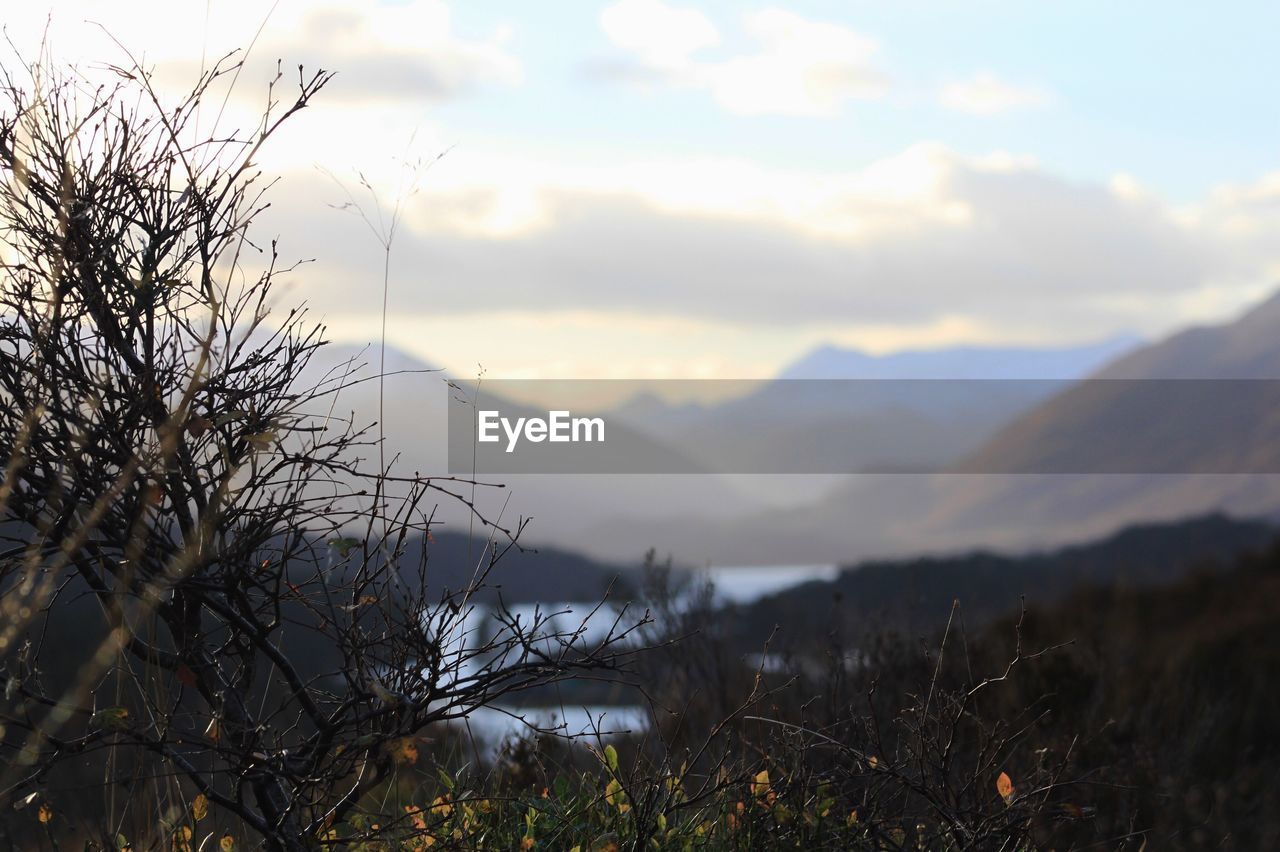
{"x": 829, "y": 361}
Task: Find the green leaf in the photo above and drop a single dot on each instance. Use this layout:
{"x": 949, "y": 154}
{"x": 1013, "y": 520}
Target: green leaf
{"x": 112, "y": 718}
{"x": 344, "y": 545}
{"x": 611, "y": 758}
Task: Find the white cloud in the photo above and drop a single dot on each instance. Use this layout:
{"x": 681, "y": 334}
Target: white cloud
{"x": 660, "y": 36}
{"x": 927, "y": 239}
{"x": 393, "y": 62}
{"x": 400, "y": 53}
{"x": 986, "y": 94}
{"x": 799, "y": 66}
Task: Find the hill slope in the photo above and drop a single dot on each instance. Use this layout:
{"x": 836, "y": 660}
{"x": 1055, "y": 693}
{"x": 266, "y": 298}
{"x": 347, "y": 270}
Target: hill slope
{"x": 915, "y": 595}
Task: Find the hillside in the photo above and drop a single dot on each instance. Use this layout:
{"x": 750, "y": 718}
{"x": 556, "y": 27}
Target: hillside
{"x": 841, "y": 410}
{"x": 523, "y": 575}
{"x": 565, "y": 508}
{"x": 1166, "y": 454}
{"x": 1170, "y": 693}
{"x": 1196, "y": 402}
{"x": 914, "y": 596}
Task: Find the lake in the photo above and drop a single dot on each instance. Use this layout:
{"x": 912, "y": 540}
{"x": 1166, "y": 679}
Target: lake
{"x": 491, "y": 726}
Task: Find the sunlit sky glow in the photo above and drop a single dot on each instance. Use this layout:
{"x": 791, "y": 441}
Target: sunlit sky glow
{"x": 666, "y": 189}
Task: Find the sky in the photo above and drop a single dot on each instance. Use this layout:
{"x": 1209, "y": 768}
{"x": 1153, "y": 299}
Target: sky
{"x": 649, "y": 189}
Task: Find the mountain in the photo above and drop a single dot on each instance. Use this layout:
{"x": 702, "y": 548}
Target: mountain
{"x": 1200, "y": 401}
{"x": 566, "y": 509}
{"x": 914, "y": 596}
{"x": 844, "y": 411}
{"x": 1085, "y": 460}
{"x": 1186, "y": 425}
{"x": 523, "y": 574}
{"x": 1247, "y": 348}
{"x": 961, "y": 362}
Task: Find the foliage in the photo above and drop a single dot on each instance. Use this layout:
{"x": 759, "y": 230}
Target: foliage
{"x": 219, "y": 630}
{"x": 183, "y": 500}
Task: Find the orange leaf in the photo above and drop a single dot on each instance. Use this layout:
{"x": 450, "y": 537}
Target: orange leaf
{"x": 1004, "y": 786}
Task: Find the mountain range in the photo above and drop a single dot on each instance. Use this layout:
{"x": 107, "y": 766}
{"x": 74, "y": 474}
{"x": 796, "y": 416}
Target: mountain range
{"x": 974, "y": 497}
{"x": 1214, "y": 457}
{"x": 845, "y": 411}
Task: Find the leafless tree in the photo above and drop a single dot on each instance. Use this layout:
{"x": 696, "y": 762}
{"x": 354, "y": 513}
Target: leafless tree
{"x": 204, "y": 590}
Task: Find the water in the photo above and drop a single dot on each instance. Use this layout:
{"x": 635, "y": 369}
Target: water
{"x": 747, "y": 584}
{"x": 492, "y": 726}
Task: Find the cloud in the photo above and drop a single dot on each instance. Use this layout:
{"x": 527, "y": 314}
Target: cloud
{"x": 922, "y": 238}
{"x": 986, "y": 94}
{"x": 398, "y": 53}
{"x": 799, "y": 66}
{"x": 661, "y": 37}
{"x": 384, "y": 53}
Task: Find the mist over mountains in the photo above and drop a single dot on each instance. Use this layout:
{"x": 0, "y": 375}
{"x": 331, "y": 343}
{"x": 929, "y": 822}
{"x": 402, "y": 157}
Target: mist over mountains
{"x": 756, "y": 519}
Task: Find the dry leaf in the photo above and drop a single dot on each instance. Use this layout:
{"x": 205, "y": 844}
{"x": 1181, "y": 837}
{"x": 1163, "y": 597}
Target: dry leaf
{"x": 46, "y": 812}
{"x": 199, "y": 807}
{"x": 1004, "y": 786}
{"x": 197, "y": 425}
{"x": 403, "y": 750}
{"x": 760, "y": 786}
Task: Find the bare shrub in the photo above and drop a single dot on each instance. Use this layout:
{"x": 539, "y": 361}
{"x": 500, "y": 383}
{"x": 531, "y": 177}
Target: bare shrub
{"x": 208, "y": 604}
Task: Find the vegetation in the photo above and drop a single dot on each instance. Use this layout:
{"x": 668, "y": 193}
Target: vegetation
{"x": 219, "y": 627}
{"x": 267, "y": 647}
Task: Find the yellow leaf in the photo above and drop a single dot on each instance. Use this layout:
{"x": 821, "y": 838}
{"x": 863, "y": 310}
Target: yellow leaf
{"x": 760, "y": 786}
{"x": 1004, "y": 786}
{"x": 616, "y": 796}
{"x": 403, "y": 750}
{"x": 199, "y": 807}
{"x": 227, "y": 843}
{"x": 46, "y": 812}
